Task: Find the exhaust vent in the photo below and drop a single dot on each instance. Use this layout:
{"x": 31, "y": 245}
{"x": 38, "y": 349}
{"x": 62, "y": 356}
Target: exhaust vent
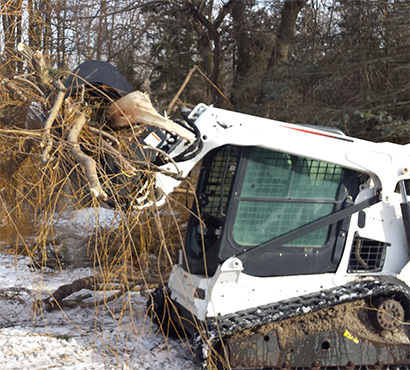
{"x": 367, "y": 255}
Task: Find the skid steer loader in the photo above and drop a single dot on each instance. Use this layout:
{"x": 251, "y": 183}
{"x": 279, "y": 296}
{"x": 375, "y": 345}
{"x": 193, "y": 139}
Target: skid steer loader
{"x": 297, "y": 251}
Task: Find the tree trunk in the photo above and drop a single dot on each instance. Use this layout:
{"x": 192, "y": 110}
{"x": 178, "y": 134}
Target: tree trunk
{"x": 9, "y": 31}
{"x": 284, "y": 36}
{"x": 242, "y": 57}
{"x": 60, "y": 42}
{"x": 209, "y": 35}
{"x": 101, "y": 28}
{"x": 19, "y": 31}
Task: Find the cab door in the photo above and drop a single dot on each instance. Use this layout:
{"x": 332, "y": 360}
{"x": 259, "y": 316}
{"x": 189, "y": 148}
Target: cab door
{"x": 276, "y": 194}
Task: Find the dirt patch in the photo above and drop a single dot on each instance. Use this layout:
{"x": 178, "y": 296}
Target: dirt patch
{"x": 353, "y": 317}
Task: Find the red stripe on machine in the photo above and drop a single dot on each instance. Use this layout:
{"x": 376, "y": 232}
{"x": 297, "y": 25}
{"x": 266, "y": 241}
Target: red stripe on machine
{"x": 318, "y": 133}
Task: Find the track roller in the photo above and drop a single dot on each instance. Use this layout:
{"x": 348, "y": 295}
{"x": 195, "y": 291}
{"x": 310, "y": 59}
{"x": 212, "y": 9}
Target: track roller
{"x": 389, "y": 314}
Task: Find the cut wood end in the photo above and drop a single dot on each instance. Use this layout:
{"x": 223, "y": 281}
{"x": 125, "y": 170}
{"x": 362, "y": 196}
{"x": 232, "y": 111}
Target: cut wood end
{"x": 136, "y": 107}
{"x": 46, "y": 157}
{"x": 38, "y": 55}
{"x": 94, "y": 193}
{"x": 98, "y": 194}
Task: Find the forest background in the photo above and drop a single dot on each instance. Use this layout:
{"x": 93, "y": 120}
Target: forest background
{"x": 339, "y": 63}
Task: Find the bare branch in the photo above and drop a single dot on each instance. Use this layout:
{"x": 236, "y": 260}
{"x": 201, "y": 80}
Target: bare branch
{"x": 25, "y": 80}
{"x": 176, "y": 97}
{"x": 41, "y": 68}
{"x": 121, "y": 161}
{"x": 87, "y": 162}
{"x": 105, "y": 135}
{"x": 63, "y": 291}
{"x": 93, "y": 283}
{"x": 111, "y": 148}
{"x": 26, "y": 52}
{"x": 45, "y": 155}
{"x": 14, "y": 89}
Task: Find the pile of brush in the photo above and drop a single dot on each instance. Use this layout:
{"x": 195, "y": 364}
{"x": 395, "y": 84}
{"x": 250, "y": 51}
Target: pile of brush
{"x": 65, "y": 149}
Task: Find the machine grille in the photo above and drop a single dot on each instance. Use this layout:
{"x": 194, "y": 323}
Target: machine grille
{"x": 214, "y": 198}
{"x": 367, "y": 255}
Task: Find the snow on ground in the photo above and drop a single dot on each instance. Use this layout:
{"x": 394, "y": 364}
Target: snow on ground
{"x": 77, "y": 338}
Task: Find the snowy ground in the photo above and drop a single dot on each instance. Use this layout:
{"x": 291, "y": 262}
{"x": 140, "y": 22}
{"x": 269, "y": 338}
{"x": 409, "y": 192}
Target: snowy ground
{"x": 77, "y": 338}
